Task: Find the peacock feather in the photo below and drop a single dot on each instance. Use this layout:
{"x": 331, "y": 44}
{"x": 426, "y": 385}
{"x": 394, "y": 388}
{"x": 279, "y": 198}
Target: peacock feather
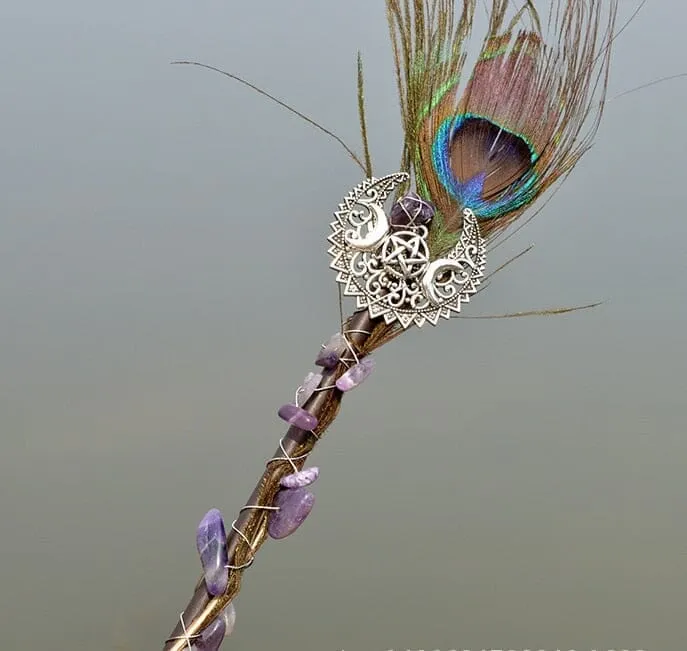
{"x": 522, "y": 119}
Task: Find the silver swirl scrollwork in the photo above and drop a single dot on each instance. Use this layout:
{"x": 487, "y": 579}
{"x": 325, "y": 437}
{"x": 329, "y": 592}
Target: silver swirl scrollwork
{"x": 389, "y": 269}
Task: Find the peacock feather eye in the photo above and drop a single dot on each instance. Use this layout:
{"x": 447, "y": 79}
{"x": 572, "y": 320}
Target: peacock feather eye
{"x": 483, "y": 166}
{"x": 527, "y": 112}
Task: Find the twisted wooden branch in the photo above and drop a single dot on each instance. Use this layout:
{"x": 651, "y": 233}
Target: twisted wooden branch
{"x": 364, "y": 335}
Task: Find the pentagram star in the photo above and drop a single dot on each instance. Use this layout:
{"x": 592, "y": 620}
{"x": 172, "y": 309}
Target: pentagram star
{"x": 400, "y": 248}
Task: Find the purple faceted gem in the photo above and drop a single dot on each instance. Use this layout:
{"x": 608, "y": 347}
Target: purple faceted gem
{"x": 294, "y": 506}
{"x": 332, "y": 351}
{"x": 411, "y": 210}
{"x": 355, "y": 375}
{"x": 211, "y": 541}
{"x": 295, "y": 415}
{"x": 300, "y": 479}
{"x": 311, "y": 382}
{"x": 212, "y": 637}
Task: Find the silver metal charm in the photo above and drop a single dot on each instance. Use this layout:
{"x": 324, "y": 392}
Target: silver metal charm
{"x": 388, "y": 268}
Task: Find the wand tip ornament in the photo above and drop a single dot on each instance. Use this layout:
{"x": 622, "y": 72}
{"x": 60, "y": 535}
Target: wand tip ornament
{"x": 384, "y": 262}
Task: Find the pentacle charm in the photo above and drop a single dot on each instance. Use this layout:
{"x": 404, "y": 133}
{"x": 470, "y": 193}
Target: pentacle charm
{"x": 385, "y": 262}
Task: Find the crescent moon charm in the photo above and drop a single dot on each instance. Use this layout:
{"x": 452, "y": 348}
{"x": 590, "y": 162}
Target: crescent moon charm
{"x": 463, "y": 262}
{"x": 434, "y": 271}
{"x": 384, "y": 260}
{"x": 375, "y": 234}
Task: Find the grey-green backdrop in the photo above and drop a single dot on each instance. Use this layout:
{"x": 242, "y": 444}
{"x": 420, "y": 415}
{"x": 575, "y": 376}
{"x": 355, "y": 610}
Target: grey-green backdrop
{"x": 501, "y": 484}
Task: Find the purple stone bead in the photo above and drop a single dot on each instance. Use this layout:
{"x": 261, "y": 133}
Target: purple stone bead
{"x": 411, "y": 210}
{"x": 311, "y": 382}
{"x": 295, "y": 415}
{"x": 212, "y": 637}
{"x": 301, "y": 479}
{"x": 332, "y": 351}
{"x": 355, "y": 375}
{"x": 211, "y": 541}
{"x": 294, "y": 506}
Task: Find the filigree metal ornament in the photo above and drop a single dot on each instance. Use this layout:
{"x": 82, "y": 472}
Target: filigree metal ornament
{"x": 388, "y": 268}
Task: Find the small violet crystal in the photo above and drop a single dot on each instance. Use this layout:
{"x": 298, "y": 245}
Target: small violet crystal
{"x": 411, "y": 210}
{"x": 300, "y": 479}
{"x": 294, "y": 506}
{"x": 355, "y": 375}
{"x": 295, "y": 415}
{"x": 211, "y": 541}
{"x": 212, "y": 637}
{"x": 311, "y": 382}
{"x": 332, "y": 351}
